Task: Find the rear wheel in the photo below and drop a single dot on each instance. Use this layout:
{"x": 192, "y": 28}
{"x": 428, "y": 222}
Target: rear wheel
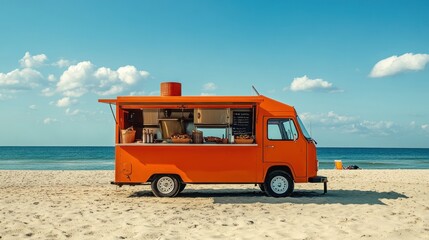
{"x": 278, "y": 184}
{"x": 166, "y": 186}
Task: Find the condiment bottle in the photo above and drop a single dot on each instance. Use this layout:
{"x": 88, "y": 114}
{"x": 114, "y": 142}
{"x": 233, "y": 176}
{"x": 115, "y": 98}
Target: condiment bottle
{"x": 151, "y": 136}
{"x": 144, "y": 137}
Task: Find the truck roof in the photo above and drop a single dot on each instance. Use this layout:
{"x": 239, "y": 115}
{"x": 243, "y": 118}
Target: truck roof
{"x": 199, "y": 101}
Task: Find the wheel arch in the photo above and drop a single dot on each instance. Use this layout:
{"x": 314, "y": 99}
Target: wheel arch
{"x": 285, "y": 168}
{"x": 153, "y": 176}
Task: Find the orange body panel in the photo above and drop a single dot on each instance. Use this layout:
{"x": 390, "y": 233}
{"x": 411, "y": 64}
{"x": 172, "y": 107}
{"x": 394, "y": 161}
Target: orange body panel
{"x": 211, "y": 163}
{"x": 194, "y": 164}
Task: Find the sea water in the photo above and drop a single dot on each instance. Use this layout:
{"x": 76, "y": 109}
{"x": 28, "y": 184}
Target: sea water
{"x": 57, "y": 158}
{"x": 102, "y": 158}
{"x": 375, "y": 158}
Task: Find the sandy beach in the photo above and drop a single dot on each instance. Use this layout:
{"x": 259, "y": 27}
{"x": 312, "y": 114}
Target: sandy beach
{"x": 360, "y": 204}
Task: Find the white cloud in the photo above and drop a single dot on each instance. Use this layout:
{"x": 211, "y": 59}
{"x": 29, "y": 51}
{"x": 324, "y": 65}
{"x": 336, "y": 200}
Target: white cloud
{"x": 394, "y": 64}
{"x": 32, "y": 107}
{"x": 77, "y": 92}
{"x": 138, "y": 93}
{"x": 26, "y": 78}
{"x": 62, "y": 63}
{"x": 129, "y": 74}
{"x": 77, "y": 80}
{"x": 207, "y": 94}
{"x": 379, "y": 128}
{"x": 330, "y": 118}
{"x": 112, "y": 82}
{"x": 4, "y": 96}
{"x": 72, "y": 112}
{"x": 209, "y": 86}
{"x": 73, "y": 81}
{"x": 113, "y": 90}
{"x": 306, "y": 84}
{"x": 377, "y": 124}
{"x": 144, "y": 93}
{"x": 339, "y": 118}
{"x": 23, "y": 78}
{"x": 65, "y": 102}
{"x": 48, "y": 92}
{"x": 81, "y": 78}
{"x": 106, "y": 76}
{"x": 52, "y": 78}
{"x": 49, "y": 120}
{"x": 29, "y": 61}
{"x": 144, "y": 74}
{"x": 349, "y": 124}
{"x": 155, "y": 93}
{"x": 419, "y": 127}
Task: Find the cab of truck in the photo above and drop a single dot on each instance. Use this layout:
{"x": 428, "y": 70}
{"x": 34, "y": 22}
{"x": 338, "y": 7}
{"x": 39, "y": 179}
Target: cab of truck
{"x": 287, "y": 148}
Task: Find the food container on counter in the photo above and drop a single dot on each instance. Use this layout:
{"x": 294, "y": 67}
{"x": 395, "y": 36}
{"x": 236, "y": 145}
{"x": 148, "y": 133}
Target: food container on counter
{"x": 243, "y": 139}
{"x": 197, "y": 136}
{"x": 128, "y": 135}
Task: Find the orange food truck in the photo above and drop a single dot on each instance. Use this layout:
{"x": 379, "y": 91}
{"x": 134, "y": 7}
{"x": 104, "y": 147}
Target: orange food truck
{"x": 171, "y": 140}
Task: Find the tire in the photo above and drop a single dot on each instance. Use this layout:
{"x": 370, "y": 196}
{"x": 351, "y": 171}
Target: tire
{"x": 182, "y": 187}
{"x": 166, "y": 186}
{"x": 278, "y": 184}
{"x": 261, "y": 186}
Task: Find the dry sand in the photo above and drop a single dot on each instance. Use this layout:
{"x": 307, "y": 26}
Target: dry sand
{"x": 360, "y": 204}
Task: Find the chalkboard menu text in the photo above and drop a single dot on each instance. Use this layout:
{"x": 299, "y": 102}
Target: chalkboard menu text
{"x": 242, "y": 123}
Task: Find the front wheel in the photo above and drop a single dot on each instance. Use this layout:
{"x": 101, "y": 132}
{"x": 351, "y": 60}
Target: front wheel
{"x": 278, "y": 184}
{"x": 166, "y": 186}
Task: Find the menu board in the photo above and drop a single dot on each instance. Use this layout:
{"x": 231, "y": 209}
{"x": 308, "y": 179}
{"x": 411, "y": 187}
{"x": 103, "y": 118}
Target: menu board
{"x": 242, "y": 123}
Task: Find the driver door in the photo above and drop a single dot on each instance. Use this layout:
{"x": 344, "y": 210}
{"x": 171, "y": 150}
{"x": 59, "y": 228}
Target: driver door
{"x": 284, "y": 145}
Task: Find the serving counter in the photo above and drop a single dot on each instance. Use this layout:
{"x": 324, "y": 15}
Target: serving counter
{"x": 184, "y": 145}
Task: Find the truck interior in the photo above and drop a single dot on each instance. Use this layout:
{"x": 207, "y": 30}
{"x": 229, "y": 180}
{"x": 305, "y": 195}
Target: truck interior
{"x": 218, "y": 125}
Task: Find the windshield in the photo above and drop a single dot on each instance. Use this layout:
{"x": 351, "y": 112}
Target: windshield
{"x": 303, "y": 129}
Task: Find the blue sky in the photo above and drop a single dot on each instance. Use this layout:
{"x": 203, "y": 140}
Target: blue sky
{"x": 356, "y": 71}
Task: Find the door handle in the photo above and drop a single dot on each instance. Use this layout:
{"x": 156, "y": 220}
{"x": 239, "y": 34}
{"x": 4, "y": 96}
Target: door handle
{"x": 270, "y": 146}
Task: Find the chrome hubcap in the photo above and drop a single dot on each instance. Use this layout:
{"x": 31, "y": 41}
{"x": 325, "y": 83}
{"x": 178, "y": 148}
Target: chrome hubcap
{"x": 279, "y": 184}
{"x": 165, "y": 185}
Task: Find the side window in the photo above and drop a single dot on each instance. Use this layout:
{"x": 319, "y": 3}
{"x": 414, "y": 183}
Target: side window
{"x": 274, "y": 132}
{"x": 290, "y": 129}
{"x": 282, "y": 129}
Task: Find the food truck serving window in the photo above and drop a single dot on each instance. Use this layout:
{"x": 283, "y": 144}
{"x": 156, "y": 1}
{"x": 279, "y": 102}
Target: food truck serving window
{"x": 282, "y": 129}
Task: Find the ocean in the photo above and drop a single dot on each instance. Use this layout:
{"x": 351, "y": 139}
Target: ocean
{"x": 102, "y": 158}
{"x": 57, "y": 158}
